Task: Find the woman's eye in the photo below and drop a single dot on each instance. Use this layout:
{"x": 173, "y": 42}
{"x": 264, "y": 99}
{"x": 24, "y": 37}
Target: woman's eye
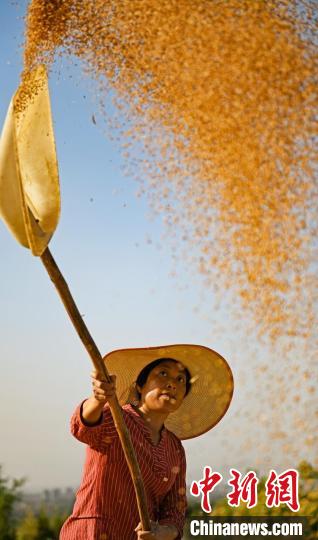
{"x": 164, "y": 373}
{"x": 181, "y": 379}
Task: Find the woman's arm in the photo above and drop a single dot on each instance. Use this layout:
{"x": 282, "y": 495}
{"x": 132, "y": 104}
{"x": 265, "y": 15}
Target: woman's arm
{"x": 91, "y": 411}
{"x": 102, "y": 392}
{"x": 92, "y": 422}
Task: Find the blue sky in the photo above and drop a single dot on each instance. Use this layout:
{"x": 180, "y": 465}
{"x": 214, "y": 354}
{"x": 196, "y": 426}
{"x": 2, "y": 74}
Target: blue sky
{"x": 119, "y": 271}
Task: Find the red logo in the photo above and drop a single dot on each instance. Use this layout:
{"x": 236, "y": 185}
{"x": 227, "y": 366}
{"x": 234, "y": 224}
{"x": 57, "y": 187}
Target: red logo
{"x": 205, "y": 486}
{"x": 283, "y": 489}
{"x": 244, "y": 489}
{"x": 279, "y": 489}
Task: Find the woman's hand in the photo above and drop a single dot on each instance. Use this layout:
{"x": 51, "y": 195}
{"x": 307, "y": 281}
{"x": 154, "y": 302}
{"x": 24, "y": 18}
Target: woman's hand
{"x": 102, "y": 390}
{"x": 158, "y": 532}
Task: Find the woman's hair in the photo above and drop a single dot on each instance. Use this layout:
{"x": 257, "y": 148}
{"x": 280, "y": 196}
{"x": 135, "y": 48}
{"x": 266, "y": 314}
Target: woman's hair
{"x": 143, "y": 375}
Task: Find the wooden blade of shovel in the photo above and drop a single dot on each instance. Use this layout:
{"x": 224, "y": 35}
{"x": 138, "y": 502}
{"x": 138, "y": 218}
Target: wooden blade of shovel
{"x": 30, "y": 207}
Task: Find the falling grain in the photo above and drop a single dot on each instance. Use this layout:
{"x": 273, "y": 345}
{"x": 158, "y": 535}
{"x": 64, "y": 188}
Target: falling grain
{"x": 229, "y": 88}
{"x": 216, "y": 109}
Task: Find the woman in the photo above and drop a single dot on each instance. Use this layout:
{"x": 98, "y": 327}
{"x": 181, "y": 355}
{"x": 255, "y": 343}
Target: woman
{"x": 162, "y": 391}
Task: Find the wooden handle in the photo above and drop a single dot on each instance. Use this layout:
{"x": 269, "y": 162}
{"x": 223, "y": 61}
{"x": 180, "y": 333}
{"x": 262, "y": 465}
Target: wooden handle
{"x": 89, "y": 344}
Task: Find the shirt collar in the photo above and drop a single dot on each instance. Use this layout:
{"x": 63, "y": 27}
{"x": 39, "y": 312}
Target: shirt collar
{"x": 143, "y": 424}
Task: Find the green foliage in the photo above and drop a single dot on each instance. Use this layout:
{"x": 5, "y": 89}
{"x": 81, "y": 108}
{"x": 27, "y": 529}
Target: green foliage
{"x": 9, "y": 495}
{"x": 31, "y": 526}
{"x": 28, "y": 528}
{"x": 56, "y": 522}
{"x": 45, "y": 530}
{"x": 40, "y": 526}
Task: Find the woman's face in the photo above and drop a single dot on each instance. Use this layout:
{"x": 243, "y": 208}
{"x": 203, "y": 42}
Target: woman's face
{"x": 165, "y": 387}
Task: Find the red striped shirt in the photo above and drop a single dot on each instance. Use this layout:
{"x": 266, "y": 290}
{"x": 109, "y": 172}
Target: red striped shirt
{"x": 105, "y": 506}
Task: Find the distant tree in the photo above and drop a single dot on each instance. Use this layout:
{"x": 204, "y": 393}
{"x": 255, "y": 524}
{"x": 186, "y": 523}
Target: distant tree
{"x": 33, "y": 525}
{"x": 56, "y": 522}
{"x": 37, "y": 527}
{"x": 45, "y": 530}
{"x": 28, "y": 528}
{"x": 9, "y": 495}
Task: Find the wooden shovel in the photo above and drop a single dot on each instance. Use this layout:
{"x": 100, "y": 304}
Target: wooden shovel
{"x": 30, "y": 207}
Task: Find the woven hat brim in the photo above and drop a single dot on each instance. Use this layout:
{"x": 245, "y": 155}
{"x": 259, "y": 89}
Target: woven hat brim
{"x": 211, "y": 384}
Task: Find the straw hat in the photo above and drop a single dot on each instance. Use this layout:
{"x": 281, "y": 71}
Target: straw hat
{"x": 211, "y": 384}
